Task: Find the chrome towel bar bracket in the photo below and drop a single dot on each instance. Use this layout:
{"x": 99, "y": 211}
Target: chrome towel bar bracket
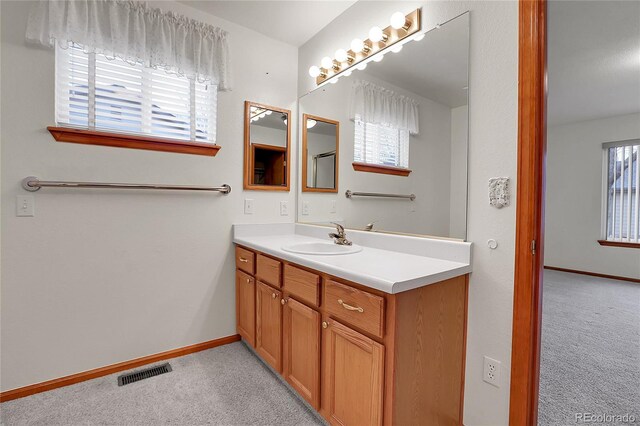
{"x": 350, "y": 194}
{"x": 32, "y": 183}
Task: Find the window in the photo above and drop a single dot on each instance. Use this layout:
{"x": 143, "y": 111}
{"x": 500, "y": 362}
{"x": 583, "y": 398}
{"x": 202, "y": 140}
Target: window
{"x": 380, "y": 145}
{"x": 622, "y": 191}
{"x": 94, "y": 92}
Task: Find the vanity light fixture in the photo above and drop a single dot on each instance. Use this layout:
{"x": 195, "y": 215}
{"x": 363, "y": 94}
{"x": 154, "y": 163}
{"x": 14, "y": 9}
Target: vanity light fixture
{"x": 376, "y": 35}
{"x": 402, "y": 28}
{"x": 344, "y": 56}
{"x": 398, "y": 20}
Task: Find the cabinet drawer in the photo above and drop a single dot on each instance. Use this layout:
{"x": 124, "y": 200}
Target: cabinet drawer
{"x": 359, "y": 308}
{"x": 245, "y": 260}
{"x": 268, "y": 270}
{"x": 301, "y": 283}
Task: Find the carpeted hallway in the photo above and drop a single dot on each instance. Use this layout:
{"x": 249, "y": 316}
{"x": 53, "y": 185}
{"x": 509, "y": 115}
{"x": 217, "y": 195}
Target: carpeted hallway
{"x": 590, "y": 358}
{"x": 222, "y": 386}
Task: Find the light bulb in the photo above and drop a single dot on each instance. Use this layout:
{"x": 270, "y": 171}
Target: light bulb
{"x": 326, "y": 62}
{"x": 357, "y": 45}
{"x": 378, "y": 58}
{"x": 347, "y": 73}
{"x": 253, "y": 109}
{"x": 376, "y": 34}
{"x": 311, "y": 123}
{"x": 341, "y": 55}
{"x": 396, "y": 48}
{"x": 314, "y": 71}
{"x": 418, "y": 37}
{"x": 361, "y": 66}
{"x": 334, "y": 80}
{"x": 398, "y": 20}
{"x": 269, "y": 112}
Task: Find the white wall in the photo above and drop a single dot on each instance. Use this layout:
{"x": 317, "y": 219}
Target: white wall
{"x": 429, "y": 160}
{"x": 458, "y": 184}
{"x": 98, "y": 277}
{"x": 268, "y": 135}
{"x": 574, "y": 197}
{"x": 493, "y": 110}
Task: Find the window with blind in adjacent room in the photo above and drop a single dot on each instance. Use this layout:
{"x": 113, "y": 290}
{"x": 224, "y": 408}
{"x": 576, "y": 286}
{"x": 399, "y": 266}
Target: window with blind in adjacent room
{"x": 97, "y": 93}
{"x": 622, "y": 186}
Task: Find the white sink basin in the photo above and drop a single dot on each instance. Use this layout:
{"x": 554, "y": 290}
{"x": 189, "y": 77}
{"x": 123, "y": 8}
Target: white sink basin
{"x": 321, "y": 248}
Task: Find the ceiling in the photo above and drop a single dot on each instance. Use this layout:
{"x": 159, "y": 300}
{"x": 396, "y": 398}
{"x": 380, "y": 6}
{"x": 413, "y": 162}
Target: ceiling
{"x": 593, "y": 60}
{"x": 435, "y": 67}
{"x": 293, "y": 22}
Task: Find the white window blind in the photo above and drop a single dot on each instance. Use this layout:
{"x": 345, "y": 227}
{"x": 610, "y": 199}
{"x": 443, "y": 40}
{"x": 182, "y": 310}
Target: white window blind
{"x": 380, "y": 145}
{"x": 100, "y": 93}
{"x": 623, "y": 191}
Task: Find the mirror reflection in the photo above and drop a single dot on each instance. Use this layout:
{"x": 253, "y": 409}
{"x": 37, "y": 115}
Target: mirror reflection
{"x": 402, "y": 157}
{"x": 266, "y": 147}
{"x": 320, "y": 154}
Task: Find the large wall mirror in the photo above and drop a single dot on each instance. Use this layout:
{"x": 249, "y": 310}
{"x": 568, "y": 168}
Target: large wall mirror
{"x": 320, "y": 147}
{"x": 267, "y": 137}
{"x": 402, "y": 156}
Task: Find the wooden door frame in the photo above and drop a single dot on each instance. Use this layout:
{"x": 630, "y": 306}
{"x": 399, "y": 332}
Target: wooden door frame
{"x": 527, "y": 303}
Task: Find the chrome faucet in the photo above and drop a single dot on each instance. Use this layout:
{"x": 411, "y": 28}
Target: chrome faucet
{"x": 339, "y": 237}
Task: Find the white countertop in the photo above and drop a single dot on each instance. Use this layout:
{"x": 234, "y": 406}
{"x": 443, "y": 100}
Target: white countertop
{"x": 383, "y": 264}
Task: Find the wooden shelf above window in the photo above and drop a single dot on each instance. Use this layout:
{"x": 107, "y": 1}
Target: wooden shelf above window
{"x": 385, "y": 170}
{"x": 120, "y": 140}
{"x": 618, "y": 244}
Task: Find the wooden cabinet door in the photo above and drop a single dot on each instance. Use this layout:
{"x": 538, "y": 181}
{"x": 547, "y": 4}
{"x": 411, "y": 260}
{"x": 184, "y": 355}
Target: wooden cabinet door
{"x": 269, "y": 325}
{"x": 246, "y": 307}
{"x": 301, "y": 345}
{"x": 352, "y": 378}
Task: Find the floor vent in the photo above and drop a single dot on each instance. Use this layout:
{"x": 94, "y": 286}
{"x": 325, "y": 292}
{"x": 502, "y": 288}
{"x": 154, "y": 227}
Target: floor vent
{"x": 136, "y": 376}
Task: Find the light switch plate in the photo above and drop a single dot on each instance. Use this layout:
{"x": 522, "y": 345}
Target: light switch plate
{"x": 25, "y": 206}
{"x": 305, "y": 208}
{"x": 332, "y": 209}
{"x": 248, "y": 206}
{"x": 284, "y": 208}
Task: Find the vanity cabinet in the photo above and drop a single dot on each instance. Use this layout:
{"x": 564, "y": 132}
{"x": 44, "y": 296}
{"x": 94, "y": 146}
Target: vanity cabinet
{"x": 246, "y": 306}
{"x": 269, "y": 325}
{"x": 353, "y": 376}
{"x": 301, "y": 346}
{"x": 359, "y": 356}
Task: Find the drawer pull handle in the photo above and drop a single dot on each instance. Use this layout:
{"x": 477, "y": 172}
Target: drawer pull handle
{"x": 349, "y": 307}
{"x": 243, "y": 260}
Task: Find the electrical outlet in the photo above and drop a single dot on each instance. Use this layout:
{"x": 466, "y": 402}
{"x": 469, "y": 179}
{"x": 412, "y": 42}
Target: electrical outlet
{"x": 25, "y": 206}
{"x": 284, "y": 208}
{"x": 248, "y": 206}
{"x": 492, "y": 371}
{"x": 305, "y": 208}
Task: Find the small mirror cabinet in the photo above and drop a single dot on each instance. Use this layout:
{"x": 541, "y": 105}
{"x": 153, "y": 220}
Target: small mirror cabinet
{"x": 267, "y": 145}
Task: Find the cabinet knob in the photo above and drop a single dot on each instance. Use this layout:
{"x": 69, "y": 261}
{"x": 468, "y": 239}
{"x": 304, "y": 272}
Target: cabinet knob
{"x": 325, "y": 324}
{"x": 283, "y": 301}
{"x": 273, "y": 295}
{"x": 248, "y": 280}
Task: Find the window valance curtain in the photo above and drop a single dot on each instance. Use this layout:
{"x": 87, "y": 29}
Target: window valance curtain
{"x": 379, "y": 105}
{"x": 136, "y": 33}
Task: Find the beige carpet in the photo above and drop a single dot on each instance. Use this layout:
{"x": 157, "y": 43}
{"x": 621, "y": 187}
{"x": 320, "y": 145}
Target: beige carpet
{"x": 590, "y": 360}
{"x": 227, "y": 385}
